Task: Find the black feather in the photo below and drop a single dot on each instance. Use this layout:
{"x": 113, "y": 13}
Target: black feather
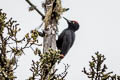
{"x": 67, "y": 37}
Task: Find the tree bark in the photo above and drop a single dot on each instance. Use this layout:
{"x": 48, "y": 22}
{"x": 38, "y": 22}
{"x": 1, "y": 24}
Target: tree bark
{"x": 49, "y": 40}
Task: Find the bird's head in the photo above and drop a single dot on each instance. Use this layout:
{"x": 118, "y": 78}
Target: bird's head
{"x": 73, "y": 25}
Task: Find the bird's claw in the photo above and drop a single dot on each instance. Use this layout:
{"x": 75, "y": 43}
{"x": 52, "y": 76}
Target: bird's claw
{"x": 61, "y": 56}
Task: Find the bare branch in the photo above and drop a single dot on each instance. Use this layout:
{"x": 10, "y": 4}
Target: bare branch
{"x": 32, "y": 5}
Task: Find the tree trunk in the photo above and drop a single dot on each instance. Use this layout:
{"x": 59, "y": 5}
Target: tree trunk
{"x": 49, "y": 40}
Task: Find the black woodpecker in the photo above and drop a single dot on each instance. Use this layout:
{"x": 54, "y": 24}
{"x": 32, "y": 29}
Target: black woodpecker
{"x": 67, "y": 37}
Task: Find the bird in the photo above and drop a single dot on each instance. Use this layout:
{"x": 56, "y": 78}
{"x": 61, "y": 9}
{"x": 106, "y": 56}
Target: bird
{"x": 67, "y": 37}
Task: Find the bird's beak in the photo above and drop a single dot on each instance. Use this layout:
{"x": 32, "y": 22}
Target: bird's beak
{"x": 66, "y": 20}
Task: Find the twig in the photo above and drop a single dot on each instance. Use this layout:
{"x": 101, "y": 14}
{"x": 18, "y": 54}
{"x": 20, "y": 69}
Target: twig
{"x": 32, "y": 5}
{"x": 39, "y": 26}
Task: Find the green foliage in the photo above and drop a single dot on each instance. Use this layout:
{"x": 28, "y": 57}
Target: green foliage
{"x": 8, "y": 31}
{"x": 44, "y": 69}
{"x": 98, "y": 70}
{"x": 11, "y": 47}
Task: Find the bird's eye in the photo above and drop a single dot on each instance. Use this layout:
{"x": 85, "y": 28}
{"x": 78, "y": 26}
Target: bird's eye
{"x": 73, "y": 22}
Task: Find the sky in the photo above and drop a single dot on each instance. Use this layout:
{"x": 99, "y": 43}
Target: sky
{"x": 99, "y": 31}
